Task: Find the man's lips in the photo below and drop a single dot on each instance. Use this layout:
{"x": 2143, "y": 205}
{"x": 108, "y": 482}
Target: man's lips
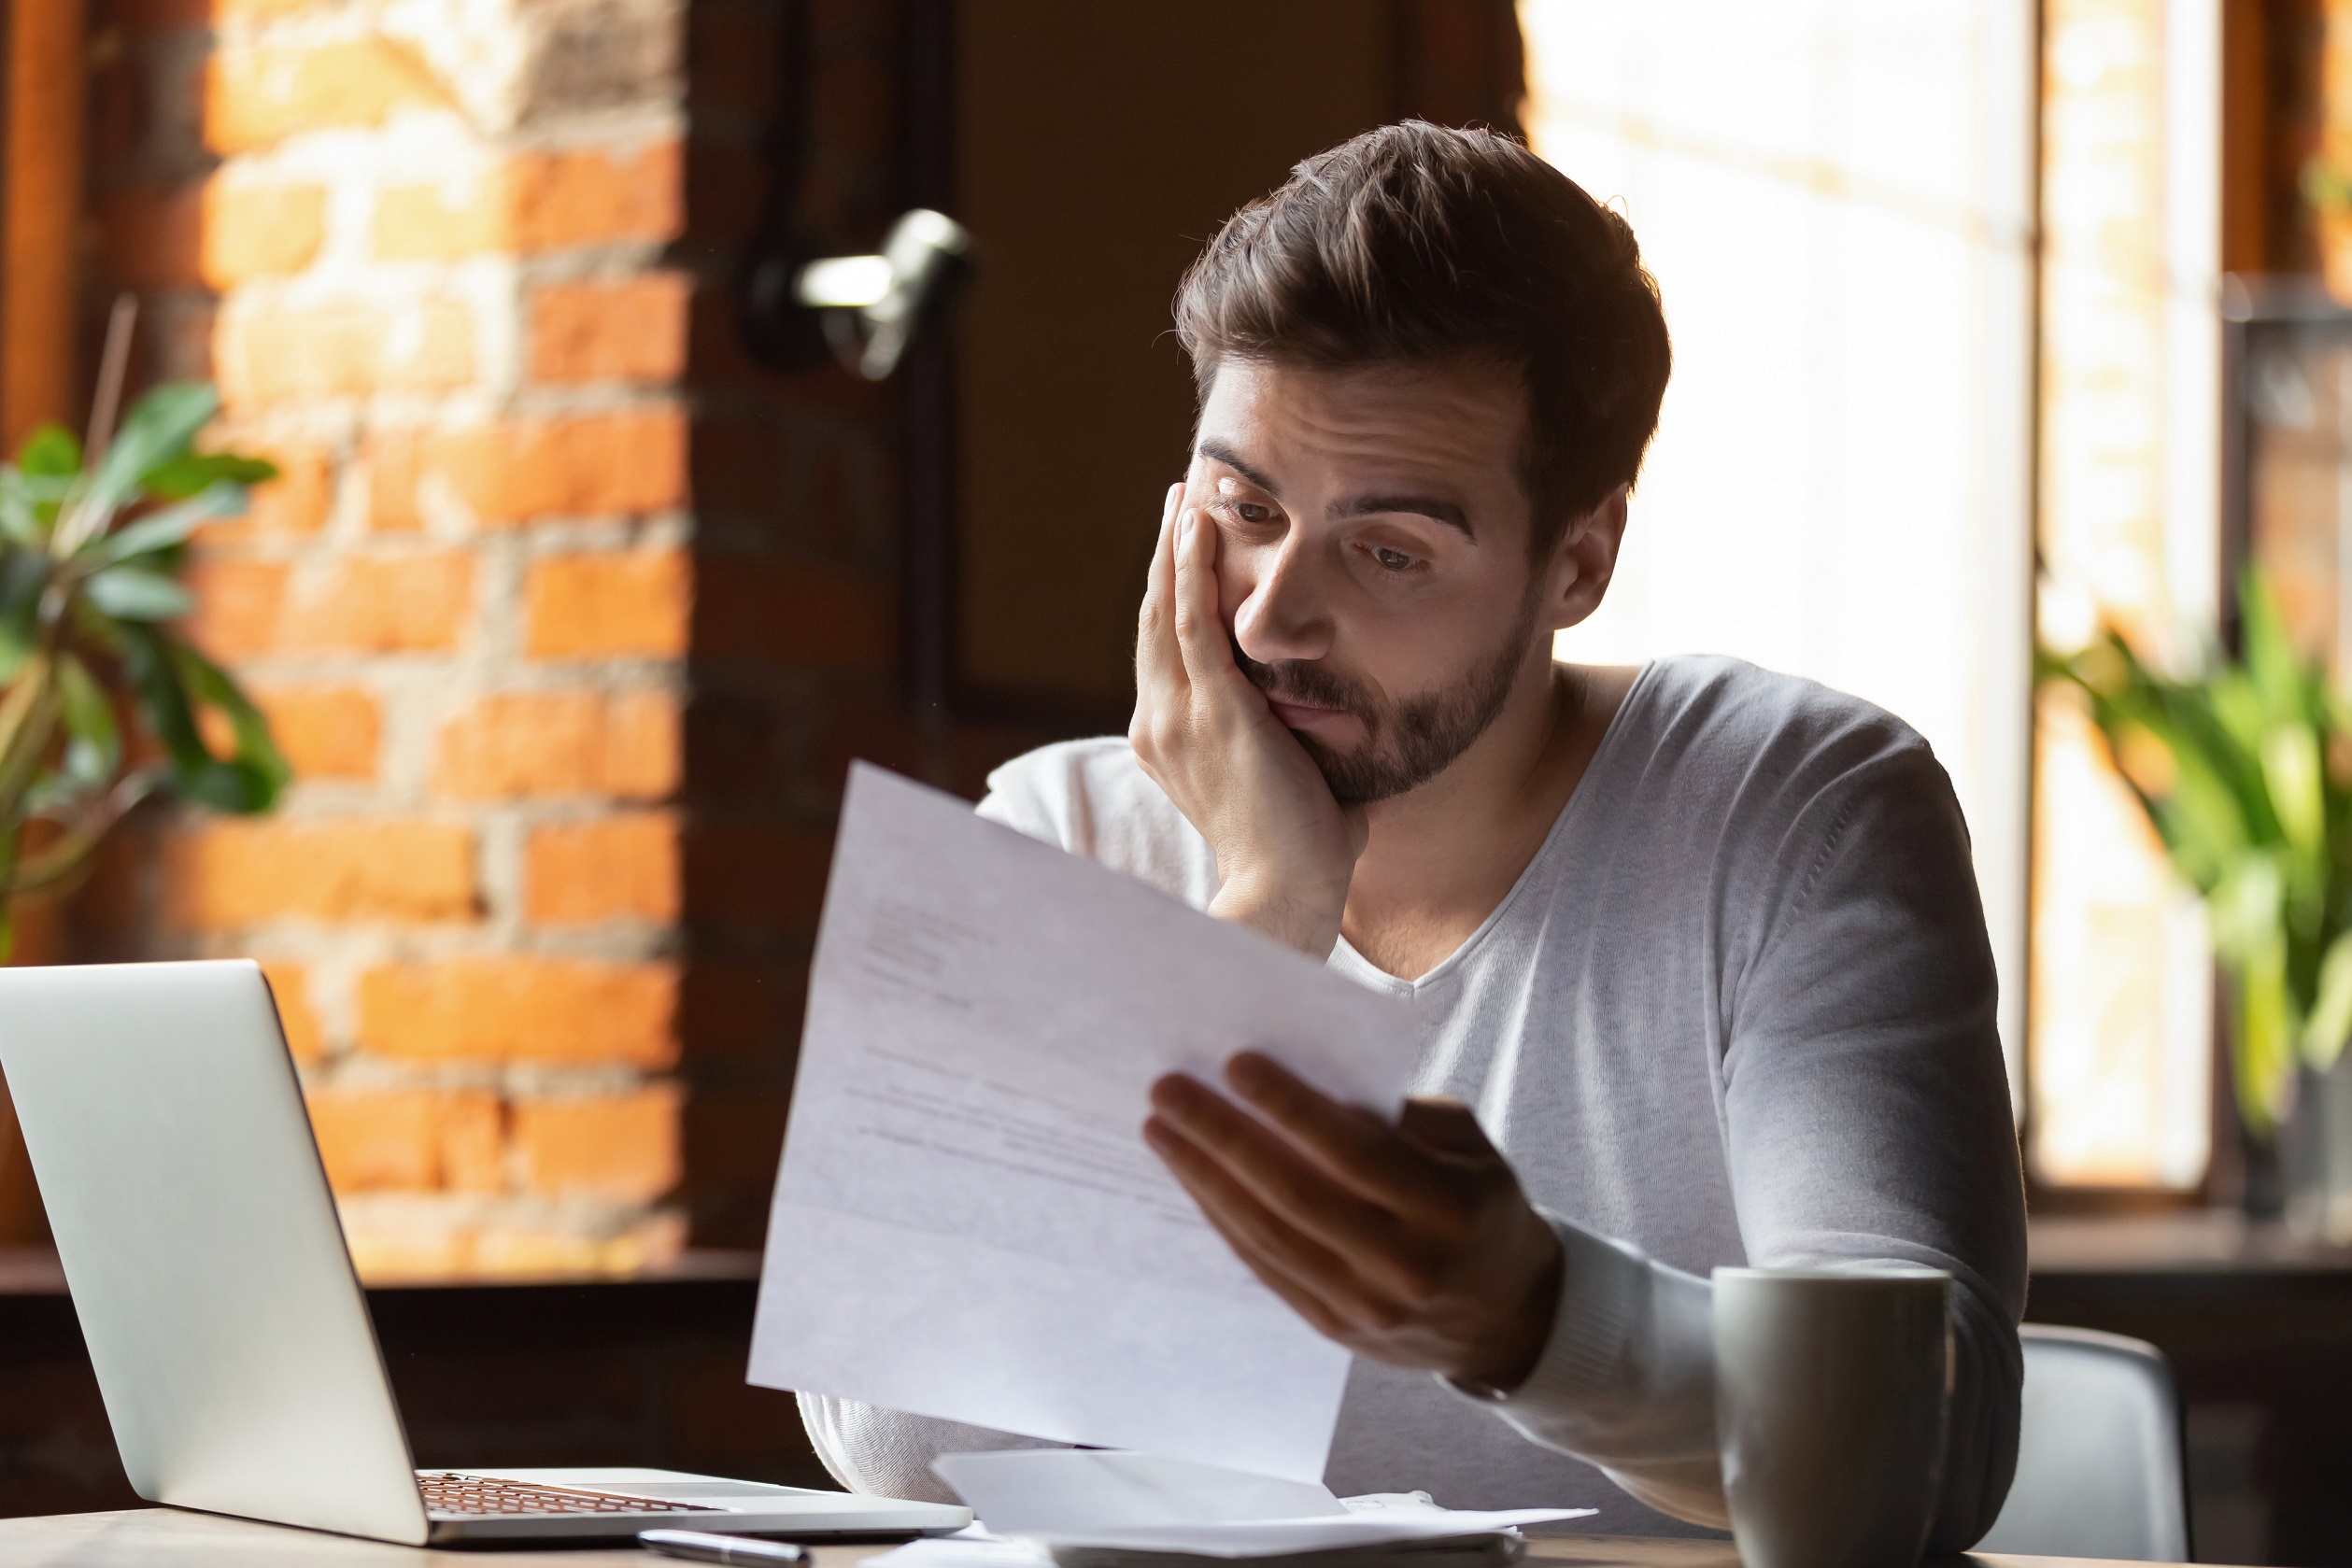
{"x": 1303, "y": 716}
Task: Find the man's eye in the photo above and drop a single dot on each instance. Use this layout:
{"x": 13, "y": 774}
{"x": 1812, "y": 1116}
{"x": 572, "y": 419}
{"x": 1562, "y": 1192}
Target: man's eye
{"x": 1251, "y": 512}
{"x": 1392, "y": 561}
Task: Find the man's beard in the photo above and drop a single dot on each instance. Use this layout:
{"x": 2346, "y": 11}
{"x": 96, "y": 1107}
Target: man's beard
{"x": 1405, "y": 745}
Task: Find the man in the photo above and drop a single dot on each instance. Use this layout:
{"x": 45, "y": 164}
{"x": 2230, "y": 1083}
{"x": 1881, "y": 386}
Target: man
{"x": 1696, "y": 948}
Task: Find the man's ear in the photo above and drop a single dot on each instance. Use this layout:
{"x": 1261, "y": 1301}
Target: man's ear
{"x": 1584, "y": 561}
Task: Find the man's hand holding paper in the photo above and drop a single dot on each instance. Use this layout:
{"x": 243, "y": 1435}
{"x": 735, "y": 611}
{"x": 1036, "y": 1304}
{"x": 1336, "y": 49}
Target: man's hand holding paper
{"x": 967, "y": 1223}
{"x": 1410, "y": 1243}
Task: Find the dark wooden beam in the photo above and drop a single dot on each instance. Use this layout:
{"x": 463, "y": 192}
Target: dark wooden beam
{"x": 41, "y": 215}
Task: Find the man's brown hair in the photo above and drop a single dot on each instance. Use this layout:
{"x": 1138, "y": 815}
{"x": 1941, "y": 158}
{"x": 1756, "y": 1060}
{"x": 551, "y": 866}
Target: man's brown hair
{"x": 1419, "y": 243}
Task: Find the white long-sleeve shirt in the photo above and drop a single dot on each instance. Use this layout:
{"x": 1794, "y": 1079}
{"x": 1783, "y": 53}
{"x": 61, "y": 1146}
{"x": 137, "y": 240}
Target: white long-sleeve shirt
{"x": 1738, "y": 1009}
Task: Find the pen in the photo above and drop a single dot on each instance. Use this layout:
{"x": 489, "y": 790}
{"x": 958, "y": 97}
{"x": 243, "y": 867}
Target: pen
{"x": 719, "y": 1548}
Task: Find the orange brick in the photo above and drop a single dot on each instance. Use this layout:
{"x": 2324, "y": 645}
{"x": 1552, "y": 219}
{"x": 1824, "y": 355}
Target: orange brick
{"x": 290, "y": 986}
{"x": 232, "y": 872}
{"x": 596, "y": 465}
{"x": 642, "y": 746}
{"x": 619, "y": 1147}
{"x": 522, "y": 1009}
{"x": 384, "y": 604}
{"x": 409, "y": 1139}
{"x": 257, "y": 96}
{"x": 629, "y": 330}
{"x": 326, "y": 732}
{"x": 615, "y": 867}
{"x": 392, "y": 481}
{"x": 362, "y": 605}
{"x": 513, "y": 745}
{"x": 608, "y": 604}
{"x": 436, "y": 222}
{"x": 537, "y": 201}
{"x": 516, "y": 744}
{"x": 265, "y": 356}
{"x": 260, "y": 231}
{"x": 238, "y": 605}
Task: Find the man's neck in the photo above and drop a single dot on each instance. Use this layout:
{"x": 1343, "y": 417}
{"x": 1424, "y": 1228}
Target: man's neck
{"x": 1440, "y": 857}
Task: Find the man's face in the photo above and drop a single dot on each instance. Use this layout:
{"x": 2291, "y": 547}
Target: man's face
{"x": 1372, "y": 556}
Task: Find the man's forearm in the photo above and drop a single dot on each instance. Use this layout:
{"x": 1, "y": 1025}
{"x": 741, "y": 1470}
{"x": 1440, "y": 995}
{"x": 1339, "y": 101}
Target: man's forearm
{"x": 1627, "y": 1380}
{"x": 1627, "y": 1383}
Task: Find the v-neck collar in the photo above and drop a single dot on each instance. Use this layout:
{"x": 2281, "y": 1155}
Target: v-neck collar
{"x": 1344, "y": 956}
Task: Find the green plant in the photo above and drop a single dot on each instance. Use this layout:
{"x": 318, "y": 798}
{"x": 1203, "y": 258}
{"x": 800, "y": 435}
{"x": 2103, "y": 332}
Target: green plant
{"x": 2246, "y": 770}
{"x": 2324, "y": 185}
{"x": 89, "y": 562}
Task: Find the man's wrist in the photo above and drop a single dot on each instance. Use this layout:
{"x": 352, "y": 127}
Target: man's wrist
{"x": 1292, "y": 922}
{"x": 1513, "y": 1359}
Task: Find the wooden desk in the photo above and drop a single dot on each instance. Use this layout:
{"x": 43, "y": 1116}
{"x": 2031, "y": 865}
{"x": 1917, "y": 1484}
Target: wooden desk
{"x": 169, "y": 1538}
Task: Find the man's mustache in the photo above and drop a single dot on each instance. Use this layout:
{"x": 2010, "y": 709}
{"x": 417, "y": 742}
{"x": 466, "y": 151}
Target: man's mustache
{"x": 1307, "y": 683}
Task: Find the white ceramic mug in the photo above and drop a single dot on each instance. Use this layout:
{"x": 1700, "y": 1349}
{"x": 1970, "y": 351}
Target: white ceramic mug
{"x": 1831, "y": 1390}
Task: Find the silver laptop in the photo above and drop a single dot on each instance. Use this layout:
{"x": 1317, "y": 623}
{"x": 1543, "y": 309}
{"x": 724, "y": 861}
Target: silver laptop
{"x": 229, "y": 1333}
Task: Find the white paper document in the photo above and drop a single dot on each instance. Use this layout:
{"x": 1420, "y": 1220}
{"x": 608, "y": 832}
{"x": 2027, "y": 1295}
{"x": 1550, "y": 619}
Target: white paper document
{"x": 1143, "y": 1503}
{"x": 1069, "y": 1491}
{"x": 967, "y": 1223}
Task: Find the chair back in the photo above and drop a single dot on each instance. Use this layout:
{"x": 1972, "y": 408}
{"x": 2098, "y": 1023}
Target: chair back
{"x": 2099, "y": 1452}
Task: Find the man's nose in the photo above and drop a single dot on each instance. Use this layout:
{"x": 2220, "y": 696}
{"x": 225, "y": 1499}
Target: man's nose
{"x": 1286, "y": 613}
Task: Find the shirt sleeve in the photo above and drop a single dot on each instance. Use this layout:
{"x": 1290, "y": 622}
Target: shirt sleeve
{"x": 880, "y": 1452}
{"x": 1867, "y": 1122}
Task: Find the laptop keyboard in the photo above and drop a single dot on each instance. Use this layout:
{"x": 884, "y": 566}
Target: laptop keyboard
{"x": 456, "y": 1494}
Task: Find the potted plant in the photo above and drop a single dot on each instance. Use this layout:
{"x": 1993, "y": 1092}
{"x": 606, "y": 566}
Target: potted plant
{"x": 2245, "y": 769}
{"x": 101, "y": 700}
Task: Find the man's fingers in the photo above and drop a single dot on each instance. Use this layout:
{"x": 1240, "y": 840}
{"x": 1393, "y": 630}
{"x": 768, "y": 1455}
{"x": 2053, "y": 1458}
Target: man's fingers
{"x": 1444, "y": 1123}
{"x": 1160, "y": 580}
{"x": 1353, "y": 1145}
{"x": 1155, "y": 621}
{"x": 1261, "y": 1162}
{"x": 1316, "y": 1280}
{"x": 1200, "y": 631}
{"x": 1161, "y": 689}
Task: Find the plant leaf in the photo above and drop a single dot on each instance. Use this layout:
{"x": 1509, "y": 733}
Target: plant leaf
{"x": 170, "y": 678}
{"x": 2330, "y": 1021}
{"x": 50, "y": 451}
{"x": 177, "y": 478}
{"x": 256, "y": 773}
{"x": 23, "y": 574}
{"x": 161, "y": 530}
{"x": 2292, "y": 772}
{"x": 94, "y": 748}
{"x": 2266, "y": 1038}
{"x": 157, "y": 430}
{"x": 21, "y": 519}
{"x": 133, "y": 593}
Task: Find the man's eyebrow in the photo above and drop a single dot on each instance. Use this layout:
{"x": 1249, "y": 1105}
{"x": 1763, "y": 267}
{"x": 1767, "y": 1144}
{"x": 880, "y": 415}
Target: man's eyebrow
{"x": 1431, "y": 507}
{"x": 1232, "y": 460}
{"x": 1445, "y": 512}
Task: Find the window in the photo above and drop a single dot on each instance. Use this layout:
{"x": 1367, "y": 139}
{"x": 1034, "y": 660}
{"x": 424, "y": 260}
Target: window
{"x": 1837, "y": 200}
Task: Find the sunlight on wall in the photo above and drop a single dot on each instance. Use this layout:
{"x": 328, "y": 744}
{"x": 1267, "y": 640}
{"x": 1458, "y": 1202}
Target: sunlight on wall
{"x": 1835, "y": 200}
{"x": 2122, "y": 1006}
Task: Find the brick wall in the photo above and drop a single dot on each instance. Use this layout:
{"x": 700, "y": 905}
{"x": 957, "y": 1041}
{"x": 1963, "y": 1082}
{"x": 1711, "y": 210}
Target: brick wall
{"x": 567, "y": 615}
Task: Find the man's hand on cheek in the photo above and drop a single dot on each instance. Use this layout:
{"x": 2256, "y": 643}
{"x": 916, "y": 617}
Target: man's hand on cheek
{"x": 1285, "y": 849}
{"x": 1411, "y": 1245}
